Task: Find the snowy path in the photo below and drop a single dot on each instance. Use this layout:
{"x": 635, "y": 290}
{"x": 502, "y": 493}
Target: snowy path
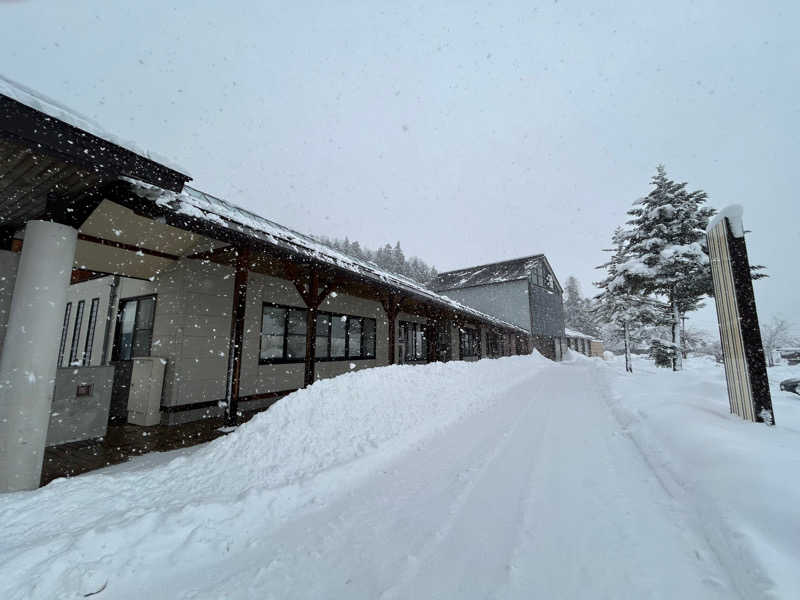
{"x": 540, "y": 497}
{"x": 511, "y": 478}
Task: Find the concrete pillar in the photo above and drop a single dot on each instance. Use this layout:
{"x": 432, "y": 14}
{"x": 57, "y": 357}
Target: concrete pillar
{"x": 30, "y": 352}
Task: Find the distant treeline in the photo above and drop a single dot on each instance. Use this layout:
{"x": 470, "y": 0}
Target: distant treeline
{"x": 389, "y": 258}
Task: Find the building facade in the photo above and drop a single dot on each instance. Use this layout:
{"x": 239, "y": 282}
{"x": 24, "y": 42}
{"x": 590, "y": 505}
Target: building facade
{"x": 583, "y": 343}
{"x": 523, "y": 291}
{"x": 127, "y": 295}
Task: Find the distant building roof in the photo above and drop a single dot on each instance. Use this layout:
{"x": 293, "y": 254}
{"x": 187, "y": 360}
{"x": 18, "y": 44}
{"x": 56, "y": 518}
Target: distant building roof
{"x": 571, "y": 333}
{"x": 499, "y": 272}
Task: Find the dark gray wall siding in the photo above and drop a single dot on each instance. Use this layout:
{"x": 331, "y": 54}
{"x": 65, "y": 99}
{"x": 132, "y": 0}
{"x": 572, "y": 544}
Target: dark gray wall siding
{"x": 507, "y": 300}
{"x": 547, "y": 311}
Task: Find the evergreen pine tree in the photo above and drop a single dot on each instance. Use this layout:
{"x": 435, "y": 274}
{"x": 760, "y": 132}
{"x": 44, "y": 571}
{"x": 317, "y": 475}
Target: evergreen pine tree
{"x": 399, "y": 260}
{"x": 619, "y": 304}
{"x": 578, "y": 311}
{"x": 387, "y": 257}
{"x": 664, "y": 249}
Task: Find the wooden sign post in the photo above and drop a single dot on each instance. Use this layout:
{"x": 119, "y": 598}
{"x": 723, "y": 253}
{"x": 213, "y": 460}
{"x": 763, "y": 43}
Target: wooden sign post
{"x": 742, "y": 350}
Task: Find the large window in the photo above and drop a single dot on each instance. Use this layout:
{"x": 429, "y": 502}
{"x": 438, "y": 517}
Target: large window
{"x": 283, "y": 334}
{"x": 415, "y": 344}
{"x": 344, "y": 337}
{"x": 134, "y": 335}
{"x": 90, "y": 329}
{"x": 470, "y": 342}
{"x": 338, "y": 337}
{"x": 495, "y": 344}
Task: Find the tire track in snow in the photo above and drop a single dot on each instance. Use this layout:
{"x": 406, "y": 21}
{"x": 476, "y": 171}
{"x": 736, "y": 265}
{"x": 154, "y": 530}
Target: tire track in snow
{"x": 439, "y": 536}
{"x": 394, "y": 515}
{"x": 597, "y": 523}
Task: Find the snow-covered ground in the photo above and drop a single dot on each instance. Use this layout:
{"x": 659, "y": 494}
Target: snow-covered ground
{"x": 504, "y": 478}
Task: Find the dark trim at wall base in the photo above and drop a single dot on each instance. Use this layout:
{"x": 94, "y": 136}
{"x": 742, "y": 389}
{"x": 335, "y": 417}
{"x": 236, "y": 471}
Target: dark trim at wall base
{"x": 215, "y": 403}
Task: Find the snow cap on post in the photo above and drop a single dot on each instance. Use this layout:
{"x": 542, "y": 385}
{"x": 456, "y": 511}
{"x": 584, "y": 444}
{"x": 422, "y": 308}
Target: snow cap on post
{"x": 734, "y": 215}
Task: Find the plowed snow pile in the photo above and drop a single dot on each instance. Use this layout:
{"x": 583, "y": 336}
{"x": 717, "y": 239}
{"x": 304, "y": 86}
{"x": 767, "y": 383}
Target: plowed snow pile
{"x": 67, "y": 539}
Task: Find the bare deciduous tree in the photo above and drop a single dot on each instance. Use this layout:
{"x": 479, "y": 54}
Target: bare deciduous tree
{"x": 774, "y": 334}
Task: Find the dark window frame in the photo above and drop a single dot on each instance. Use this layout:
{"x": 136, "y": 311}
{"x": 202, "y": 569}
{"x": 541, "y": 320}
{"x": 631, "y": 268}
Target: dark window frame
{"x": 364, "y": 353}
{"x": 76, "y": 335}
{"x": 62, "y": 346}
{"x": 464, "y": 335}
{"x": 368, "y": 354}
{"x": 91, "y": 327}
{"x": 118, "y": 328}
{"x": 414, "y": 327}
{"x": 496, "y": 345}
{"x": 284, "y": 358}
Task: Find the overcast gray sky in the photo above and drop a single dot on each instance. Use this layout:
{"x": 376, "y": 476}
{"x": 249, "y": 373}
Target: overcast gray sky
{"x": 472, "y": 132}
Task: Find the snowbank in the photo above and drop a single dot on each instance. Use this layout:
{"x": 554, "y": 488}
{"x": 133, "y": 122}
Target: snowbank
{"x": 738, "y": 479}
{"x": 731, "y": 486}
{"x": 75, "y": 536}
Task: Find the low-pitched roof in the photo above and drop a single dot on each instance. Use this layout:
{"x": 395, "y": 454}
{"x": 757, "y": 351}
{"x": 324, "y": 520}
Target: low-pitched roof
{"x": 41, "y": 103}
{"x": 498, "y": 272}
{"x": 572, "y": 333}
{"x": 51, "y": 158}
{"x": 196, "y": 204}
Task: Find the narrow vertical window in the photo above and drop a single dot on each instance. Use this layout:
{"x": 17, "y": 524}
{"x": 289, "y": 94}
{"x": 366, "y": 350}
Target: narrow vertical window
{"x": 62, "y": 346}
{"x": 76, "y": 336}
{"x": 90, "y": 329}
{"x": 338, "y": 336}
{"x": 354, "y": 337}
{"x": 323, "y": 336}
{"x": 420, "y": 347}
{"x": 143, "y": 331}
{"x": 405, "y": 340}
{"x": 368, "y": 339}
{"x": 273, "y": 329}
{"x": 470, "y": 342}
{"x": 296, "y": 324}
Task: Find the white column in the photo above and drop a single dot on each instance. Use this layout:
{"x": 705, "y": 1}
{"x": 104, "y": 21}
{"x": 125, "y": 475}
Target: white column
{"x": 30, "y": 352}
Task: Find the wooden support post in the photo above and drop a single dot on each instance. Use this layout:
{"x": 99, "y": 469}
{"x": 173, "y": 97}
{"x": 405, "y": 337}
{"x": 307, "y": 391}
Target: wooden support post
{"x": 313, "y": 303}
{"x": 239, "y": 305}
{"x": 391, "y": 304}
{"x": 313, "y": 295}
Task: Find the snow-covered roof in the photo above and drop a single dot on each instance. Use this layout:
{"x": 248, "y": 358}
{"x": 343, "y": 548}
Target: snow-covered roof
{"x": 577, "y": 334}
{"x": 499, "y": 272}
{"x": 52, "y": 108}
{"x": 199, "y": 205}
